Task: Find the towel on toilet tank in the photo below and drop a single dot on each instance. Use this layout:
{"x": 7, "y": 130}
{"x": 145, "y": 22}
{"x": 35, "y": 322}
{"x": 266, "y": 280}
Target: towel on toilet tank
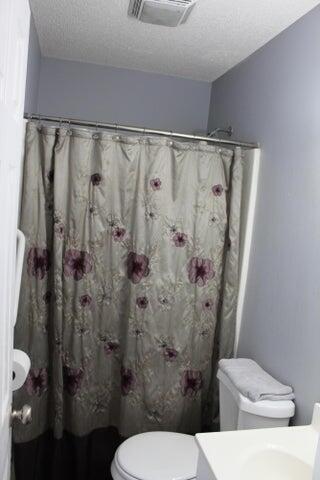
{"x": 253, "y": 382}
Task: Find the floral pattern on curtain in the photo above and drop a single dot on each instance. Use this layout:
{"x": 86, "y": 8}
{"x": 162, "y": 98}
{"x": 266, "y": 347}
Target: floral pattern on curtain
{"x": 131, "y": 245}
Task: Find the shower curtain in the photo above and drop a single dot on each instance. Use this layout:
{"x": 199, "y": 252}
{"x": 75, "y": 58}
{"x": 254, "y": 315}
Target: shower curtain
{"x": 130, "y": 280}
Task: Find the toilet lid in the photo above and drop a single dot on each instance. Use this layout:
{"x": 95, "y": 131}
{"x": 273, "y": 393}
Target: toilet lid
{"x": 159, "y": 456}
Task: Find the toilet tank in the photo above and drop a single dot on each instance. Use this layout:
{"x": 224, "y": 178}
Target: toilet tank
{"x": 237, "y": 412}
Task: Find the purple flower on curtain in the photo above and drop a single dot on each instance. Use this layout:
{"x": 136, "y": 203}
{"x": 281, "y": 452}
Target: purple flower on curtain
{"x": 72, "y": 379}
{"x": 200, "y": 270}
{"x": 217, "y": 190}
{"x": 50, "y": 176}
{"x": 137, "y": 267}
{"x": 47, "y": 297}
{"x": 208, "y": 304}
{"x": 38, "y": 262}
{"x": 142, "y": 302}
{"x": 180, "y": 239}
{"x": 85, "y": 300}
{"x": 127, "y": 380}
{"x": 191, "y": 382}
{"x": 111, "y": 347}
{"x": 96, "y": 179}
{"x": 155, "y": 183}
{"x": 170, "y": 354}
{"x": 77, "y": 263}
{"x": 118, "y": 234}
{"x": 37, "y": 381}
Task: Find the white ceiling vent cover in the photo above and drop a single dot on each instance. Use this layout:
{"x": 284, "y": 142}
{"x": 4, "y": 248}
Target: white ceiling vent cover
{"x": 170, "y": 13}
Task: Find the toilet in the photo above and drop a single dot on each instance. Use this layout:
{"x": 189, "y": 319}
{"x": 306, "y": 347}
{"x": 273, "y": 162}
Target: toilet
{"x": 173, "y": 456}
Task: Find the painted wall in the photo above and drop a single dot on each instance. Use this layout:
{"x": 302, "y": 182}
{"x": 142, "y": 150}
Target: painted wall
{"x": 274, "y": 97}
{"x": 110, "y": 94}
{"x": 33, "y": 71}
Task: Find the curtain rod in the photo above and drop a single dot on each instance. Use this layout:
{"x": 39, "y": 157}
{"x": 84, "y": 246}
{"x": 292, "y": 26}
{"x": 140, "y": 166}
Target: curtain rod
{"x": 147, "y": 131}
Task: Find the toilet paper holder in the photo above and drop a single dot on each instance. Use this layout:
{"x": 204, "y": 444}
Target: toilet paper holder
{"x": 24, "y": 415}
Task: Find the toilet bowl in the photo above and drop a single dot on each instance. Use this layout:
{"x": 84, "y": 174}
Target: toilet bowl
{"x": 174, "y": 456}
{"x": 156, "y": 456}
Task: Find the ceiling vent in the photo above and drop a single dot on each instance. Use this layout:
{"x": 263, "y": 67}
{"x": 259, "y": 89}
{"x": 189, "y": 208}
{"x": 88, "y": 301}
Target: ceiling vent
{"x": 169, "y": 13}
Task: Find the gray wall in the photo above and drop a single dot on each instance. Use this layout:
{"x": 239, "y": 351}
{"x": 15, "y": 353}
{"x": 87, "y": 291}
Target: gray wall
{"x": 274, "y": 97}
{"x": 110, "y": 94}
{"x": 33, "y": 71}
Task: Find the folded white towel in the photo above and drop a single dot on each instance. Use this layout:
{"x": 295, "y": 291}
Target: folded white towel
{"x": 253, "y": 382}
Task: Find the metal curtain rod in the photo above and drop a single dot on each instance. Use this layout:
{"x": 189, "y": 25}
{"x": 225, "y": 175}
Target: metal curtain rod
{"x": 130, "y": 128}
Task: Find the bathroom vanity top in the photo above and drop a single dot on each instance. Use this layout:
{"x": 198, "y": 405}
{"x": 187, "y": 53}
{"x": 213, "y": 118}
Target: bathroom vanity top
{"x": 286, "y": 453}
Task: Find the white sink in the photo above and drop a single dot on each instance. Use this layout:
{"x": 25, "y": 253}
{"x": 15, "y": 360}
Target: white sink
{"x": 268, "y": 454}
{"x": 273, "y": 463}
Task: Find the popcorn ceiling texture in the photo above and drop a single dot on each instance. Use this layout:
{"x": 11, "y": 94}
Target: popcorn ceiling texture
{"x": 218, "y": 35}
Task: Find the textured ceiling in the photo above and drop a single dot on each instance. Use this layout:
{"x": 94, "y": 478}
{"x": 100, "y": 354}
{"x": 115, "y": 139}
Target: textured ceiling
{"x": 218, "y": 35}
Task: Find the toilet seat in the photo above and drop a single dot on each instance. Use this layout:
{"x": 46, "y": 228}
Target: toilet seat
{"x": 156, "y": 456}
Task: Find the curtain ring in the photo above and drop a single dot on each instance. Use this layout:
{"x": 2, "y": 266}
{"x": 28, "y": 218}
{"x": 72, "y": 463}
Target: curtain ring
{"x": 95, "y": 134}
{"x": 117, "y": 129}
{"x": 142, "y": 140}
{"x": 69, "y": 131}
{"x": 39, "y": 126}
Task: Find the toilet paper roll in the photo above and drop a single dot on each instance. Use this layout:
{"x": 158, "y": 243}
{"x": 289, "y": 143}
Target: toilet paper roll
{"x": 21, "y": 367}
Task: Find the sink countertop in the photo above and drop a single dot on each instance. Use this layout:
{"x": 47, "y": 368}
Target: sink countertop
{"x": 236, "y": 454}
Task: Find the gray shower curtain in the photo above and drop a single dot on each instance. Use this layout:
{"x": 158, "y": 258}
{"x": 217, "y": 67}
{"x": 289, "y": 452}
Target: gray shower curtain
{"x": 130, "y": 280}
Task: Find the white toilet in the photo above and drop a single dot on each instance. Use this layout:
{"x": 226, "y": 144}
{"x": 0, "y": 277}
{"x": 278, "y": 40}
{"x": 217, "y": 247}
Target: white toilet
{"x": 173, "y": 456}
